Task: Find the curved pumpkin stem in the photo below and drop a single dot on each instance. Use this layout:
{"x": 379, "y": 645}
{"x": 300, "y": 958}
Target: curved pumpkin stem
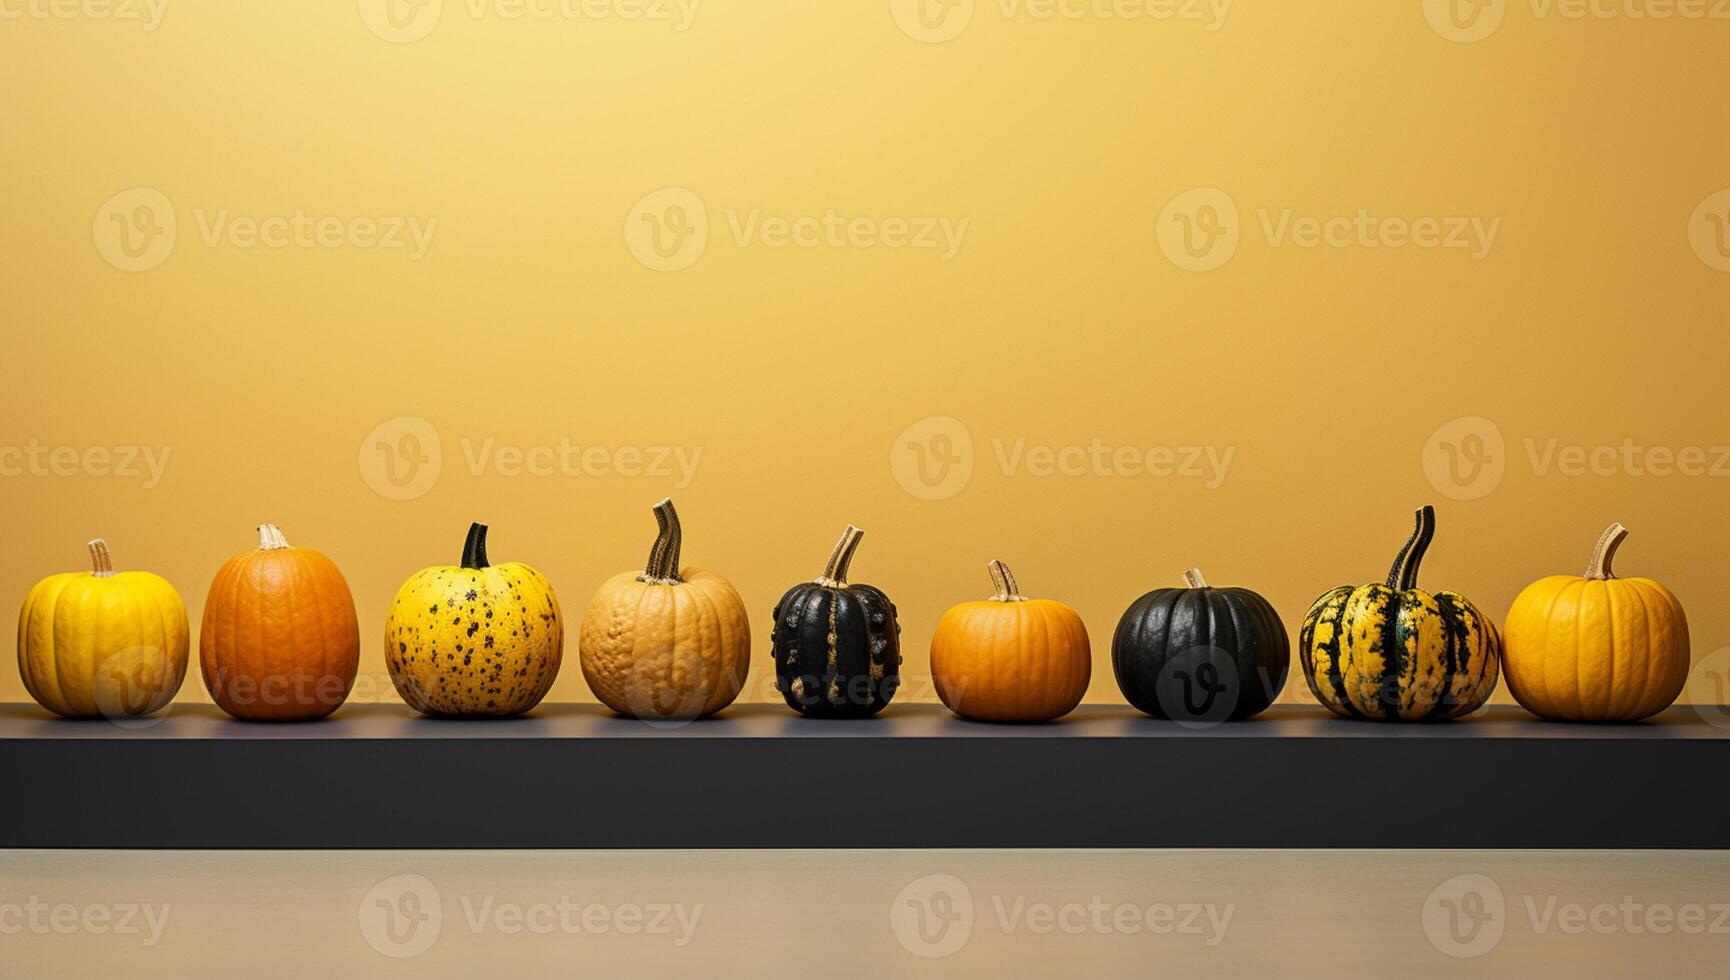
{"x": 1004, "y": 582}
{"x": 1192, "y": 578}
{"x": 1598, "y": 568}
{"x": 101, "y": 563}
{"x": 835, "y": 570}
{"x": 1404, "y": 575}
{"x": 270, "y": 537}
{"x": 663, "y": 565}
{"x": 657, "y": 551}
{"x": 475, "y": 547}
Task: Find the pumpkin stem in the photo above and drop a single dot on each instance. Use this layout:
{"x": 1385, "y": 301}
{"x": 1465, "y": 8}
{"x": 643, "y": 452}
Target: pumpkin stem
{"x": 835, "y": 571}
{"x": 1598, "y": 568}
{"x": 1404, "y": 575}
{"x": 663, "y": 566}
{"x": 1193, "y": 578}
{"x": 270, "y": 537}
{"x": 1004, "y": 582}
{"x": 475, "y": 547}
{"x": 101, "y": 563}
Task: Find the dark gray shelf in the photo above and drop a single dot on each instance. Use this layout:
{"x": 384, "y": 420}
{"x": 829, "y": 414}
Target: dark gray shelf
{"x": 378, "y": 776}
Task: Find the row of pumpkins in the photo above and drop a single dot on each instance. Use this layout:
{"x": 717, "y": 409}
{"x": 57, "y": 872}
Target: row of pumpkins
{"x": 280, "y": 642}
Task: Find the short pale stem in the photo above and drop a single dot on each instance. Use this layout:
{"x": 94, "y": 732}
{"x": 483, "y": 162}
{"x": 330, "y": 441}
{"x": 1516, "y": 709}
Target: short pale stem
{"x": 835, "y": 570}
{"x": 663, "y": 565}
{"x": 1598, "y": 568}
{"x": 1193, "y": 577}
{"x": 101, "y": 563}
{"x": 270, "y": 537}
{"x": 1004, "y": 582}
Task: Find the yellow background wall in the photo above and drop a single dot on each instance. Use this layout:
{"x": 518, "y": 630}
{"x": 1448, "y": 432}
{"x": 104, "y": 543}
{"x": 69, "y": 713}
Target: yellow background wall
{"x": 1071, "y": 314}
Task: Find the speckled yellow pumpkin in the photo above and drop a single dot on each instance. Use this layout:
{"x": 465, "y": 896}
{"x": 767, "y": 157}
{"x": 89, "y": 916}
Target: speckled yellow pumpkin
{"x": 666, "y": 642}
{"x": 1596, "y": 647}
{"x": 103, "y": 644}
{"x": 474, "y": 639}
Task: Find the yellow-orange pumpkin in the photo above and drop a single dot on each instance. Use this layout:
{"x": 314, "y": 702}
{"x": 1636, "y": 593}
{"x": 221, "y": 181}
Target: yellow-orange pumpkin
{"x": 103, "y": 644}
{"x": 280, "y": 641}
{"x": 1011, "y": 658}
{"x": 666, "y": 642}
{"x": 1596, "y": 647}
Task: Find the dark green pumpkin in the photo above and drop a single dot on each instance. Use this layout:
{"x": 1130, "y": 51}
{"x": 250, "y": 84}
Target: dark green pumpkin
{"x": 1201, "y": 654}
{"x": 837, "y": 647}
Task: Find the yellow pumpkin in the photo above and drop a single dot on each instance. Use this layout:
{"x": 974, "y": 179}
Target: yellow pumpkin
{"x": 666, "y": 642}
{"x": 1596, "y": 647}
{"x": 474, "y": 639}
{"x": 1011, "y": 658}
{"x": 103, "y": 644}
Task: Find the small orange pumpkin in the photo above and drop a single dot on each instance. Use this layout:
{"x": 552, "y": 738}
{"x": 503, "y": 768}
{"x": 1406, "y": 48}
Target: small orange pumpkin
{"x": 280, "y": 640}
{"x": 1011, "y": 658}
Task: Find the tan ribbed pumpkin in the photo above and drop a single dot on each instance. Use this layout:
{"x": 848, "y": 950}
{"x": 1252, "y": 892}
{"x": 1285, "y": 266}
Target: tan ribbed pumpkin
{"x": 667, "y": 642}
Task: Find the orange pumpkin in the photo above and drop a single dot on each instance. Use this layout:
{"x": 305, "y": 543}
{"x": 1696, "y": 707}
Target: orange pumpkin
{"x": 1596, "y": 647}
{"x": 280, "y": 640}
{"x": 1011, "y": 658}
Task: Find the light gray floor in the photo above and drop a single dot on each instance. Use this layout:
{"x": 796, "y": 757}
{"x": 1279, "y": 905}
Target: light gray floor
{"x": 864, "y": 913}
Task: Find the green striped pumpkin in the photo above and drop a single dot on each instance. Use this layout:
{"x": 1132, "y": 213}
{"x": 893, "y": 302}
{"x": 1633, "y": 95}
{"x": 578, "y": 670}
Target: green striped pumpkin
{"x": 1394, "y": 652}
